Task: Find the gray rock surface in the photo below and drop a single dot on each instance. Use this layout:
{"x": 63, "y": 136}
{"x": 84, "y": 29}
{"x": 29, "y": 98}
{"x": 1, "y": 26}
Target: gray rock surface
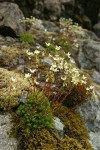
{"x": 59, "y": 126}
{"x": 96, "y": 76}
{"x": 96, "y": 28}
{"x": 89, "y": 54}
{"x": 95, "y": 140}
{"x": 6, "y": 143}
{"x": 9, "y": 19}
{"x": 53, "y": 10}
{"x": 90, "y": 111}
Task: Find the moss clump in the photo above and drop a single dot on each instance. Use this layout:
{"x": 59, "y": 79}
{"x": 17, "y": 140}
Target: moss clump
{"x": 70, "y": 144}
{"x": 36, "y": 112}
{"x": 11, "y": 87}
{"x": 74, "y": 126}
{"x": 27, "y": 38}
{"x": 40, "y": 139}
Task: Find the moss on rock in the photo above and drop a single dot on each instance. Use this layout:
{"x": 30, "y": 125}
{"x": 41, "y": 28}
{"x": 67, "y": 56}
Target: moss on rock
{"x": 11, "y": 87}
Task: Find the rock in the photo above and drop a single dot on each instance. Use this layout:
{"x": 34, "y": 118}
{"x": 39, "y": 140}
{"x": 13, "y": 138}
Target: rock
{"x": 48, "y": 61}
{"x": 96, "y": 76}
{"x": 6, "y": 143}
{"x": 59, "y": 126}
{"x": 53, "y": 10}
{"x": 9, "y": 20}
{"x": 89, "y": 55}
{"x": 90, "y": 111}
{"x": 23, "y": 97}
{"x": 95, "y": 140}
{"x": 50, "y": 26}
{"x": 96, "y": 28}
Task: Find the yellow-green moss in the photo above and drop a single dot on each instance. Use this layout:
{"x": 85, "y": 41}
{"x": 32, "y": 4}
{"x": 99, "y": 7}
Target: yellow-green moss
{"x": 74, "y": 126}
{"x": 11, "y": 87}
{"x": 40, "y": 139}
{"x": 70, "y": 144}
{"x": 27, "y": 38}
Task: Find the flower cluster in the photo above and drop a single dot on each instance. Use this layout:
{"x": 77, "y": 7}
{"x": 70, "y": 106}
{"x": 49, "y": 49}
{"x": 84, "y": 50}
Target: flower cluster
{"x": 67, "y": 25}
{"x": 60, "y": 68}
{"x": 36, "y": 23}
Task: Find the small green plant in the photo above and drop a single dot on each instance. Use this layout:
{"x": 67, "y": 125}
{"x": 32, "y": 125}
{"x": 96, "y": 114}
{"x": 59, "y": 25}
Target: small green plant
{"x": 31, "y": 118}
{"x": 35, "y": 113}
{"x": 27, "y": 38}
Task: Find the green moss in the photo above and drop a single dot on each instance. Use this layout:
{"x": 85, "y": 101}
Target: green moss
{"x": 27, "y": 38}
{"x": 11, "y": 87}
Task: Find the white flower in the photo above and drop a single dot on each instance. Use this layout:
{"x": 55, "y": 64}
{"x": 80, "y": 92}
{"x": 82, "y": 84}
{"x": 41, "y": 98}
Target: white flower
{"x": 54, "y": 69}
{"x": 36, "y": 82}
{"x": 75, "y": 81}
{"x": 83, "y": 82}
{"x": 14, "y": 88}
{"x": 54, "y": 65}
{"x": 47, "y": 44}
{"x": 91, "y": 87}
{"x": 87, "y": 89}
{"x": 28, "y": 75}
{"x": 38, "y": 47}
{"x": 76, "y": 45}
{"x": 63, "y": 78}
{"x": 56, "y": 58}
{"x": 58, "y": 47}
{"x": 53, "y": 39}
{"x": 64, "y": 84}
{"x": 72, "y": 60}
{"x": 68, "y": 54}
{"x": 32, "y": 70}
{"x": 84, "y": 77}
{"x": 36, "y": 52}
{"x": 65, "y": 65}
{"x": 13, "y": 79}
{"x": 29, "y": 53}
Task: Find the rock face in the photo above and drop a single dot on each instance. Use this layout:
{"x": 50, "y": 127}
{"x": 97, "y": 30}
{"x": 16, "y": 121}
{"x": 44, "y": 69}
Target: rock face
{"x": 9, "y": 19}
{"x": 90, "y": 111}
{"x": 6, "y": 143}
{"x": 89, "y": 57}
{"x": 53, "y": 10}
{"x": 85, "y": 12}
